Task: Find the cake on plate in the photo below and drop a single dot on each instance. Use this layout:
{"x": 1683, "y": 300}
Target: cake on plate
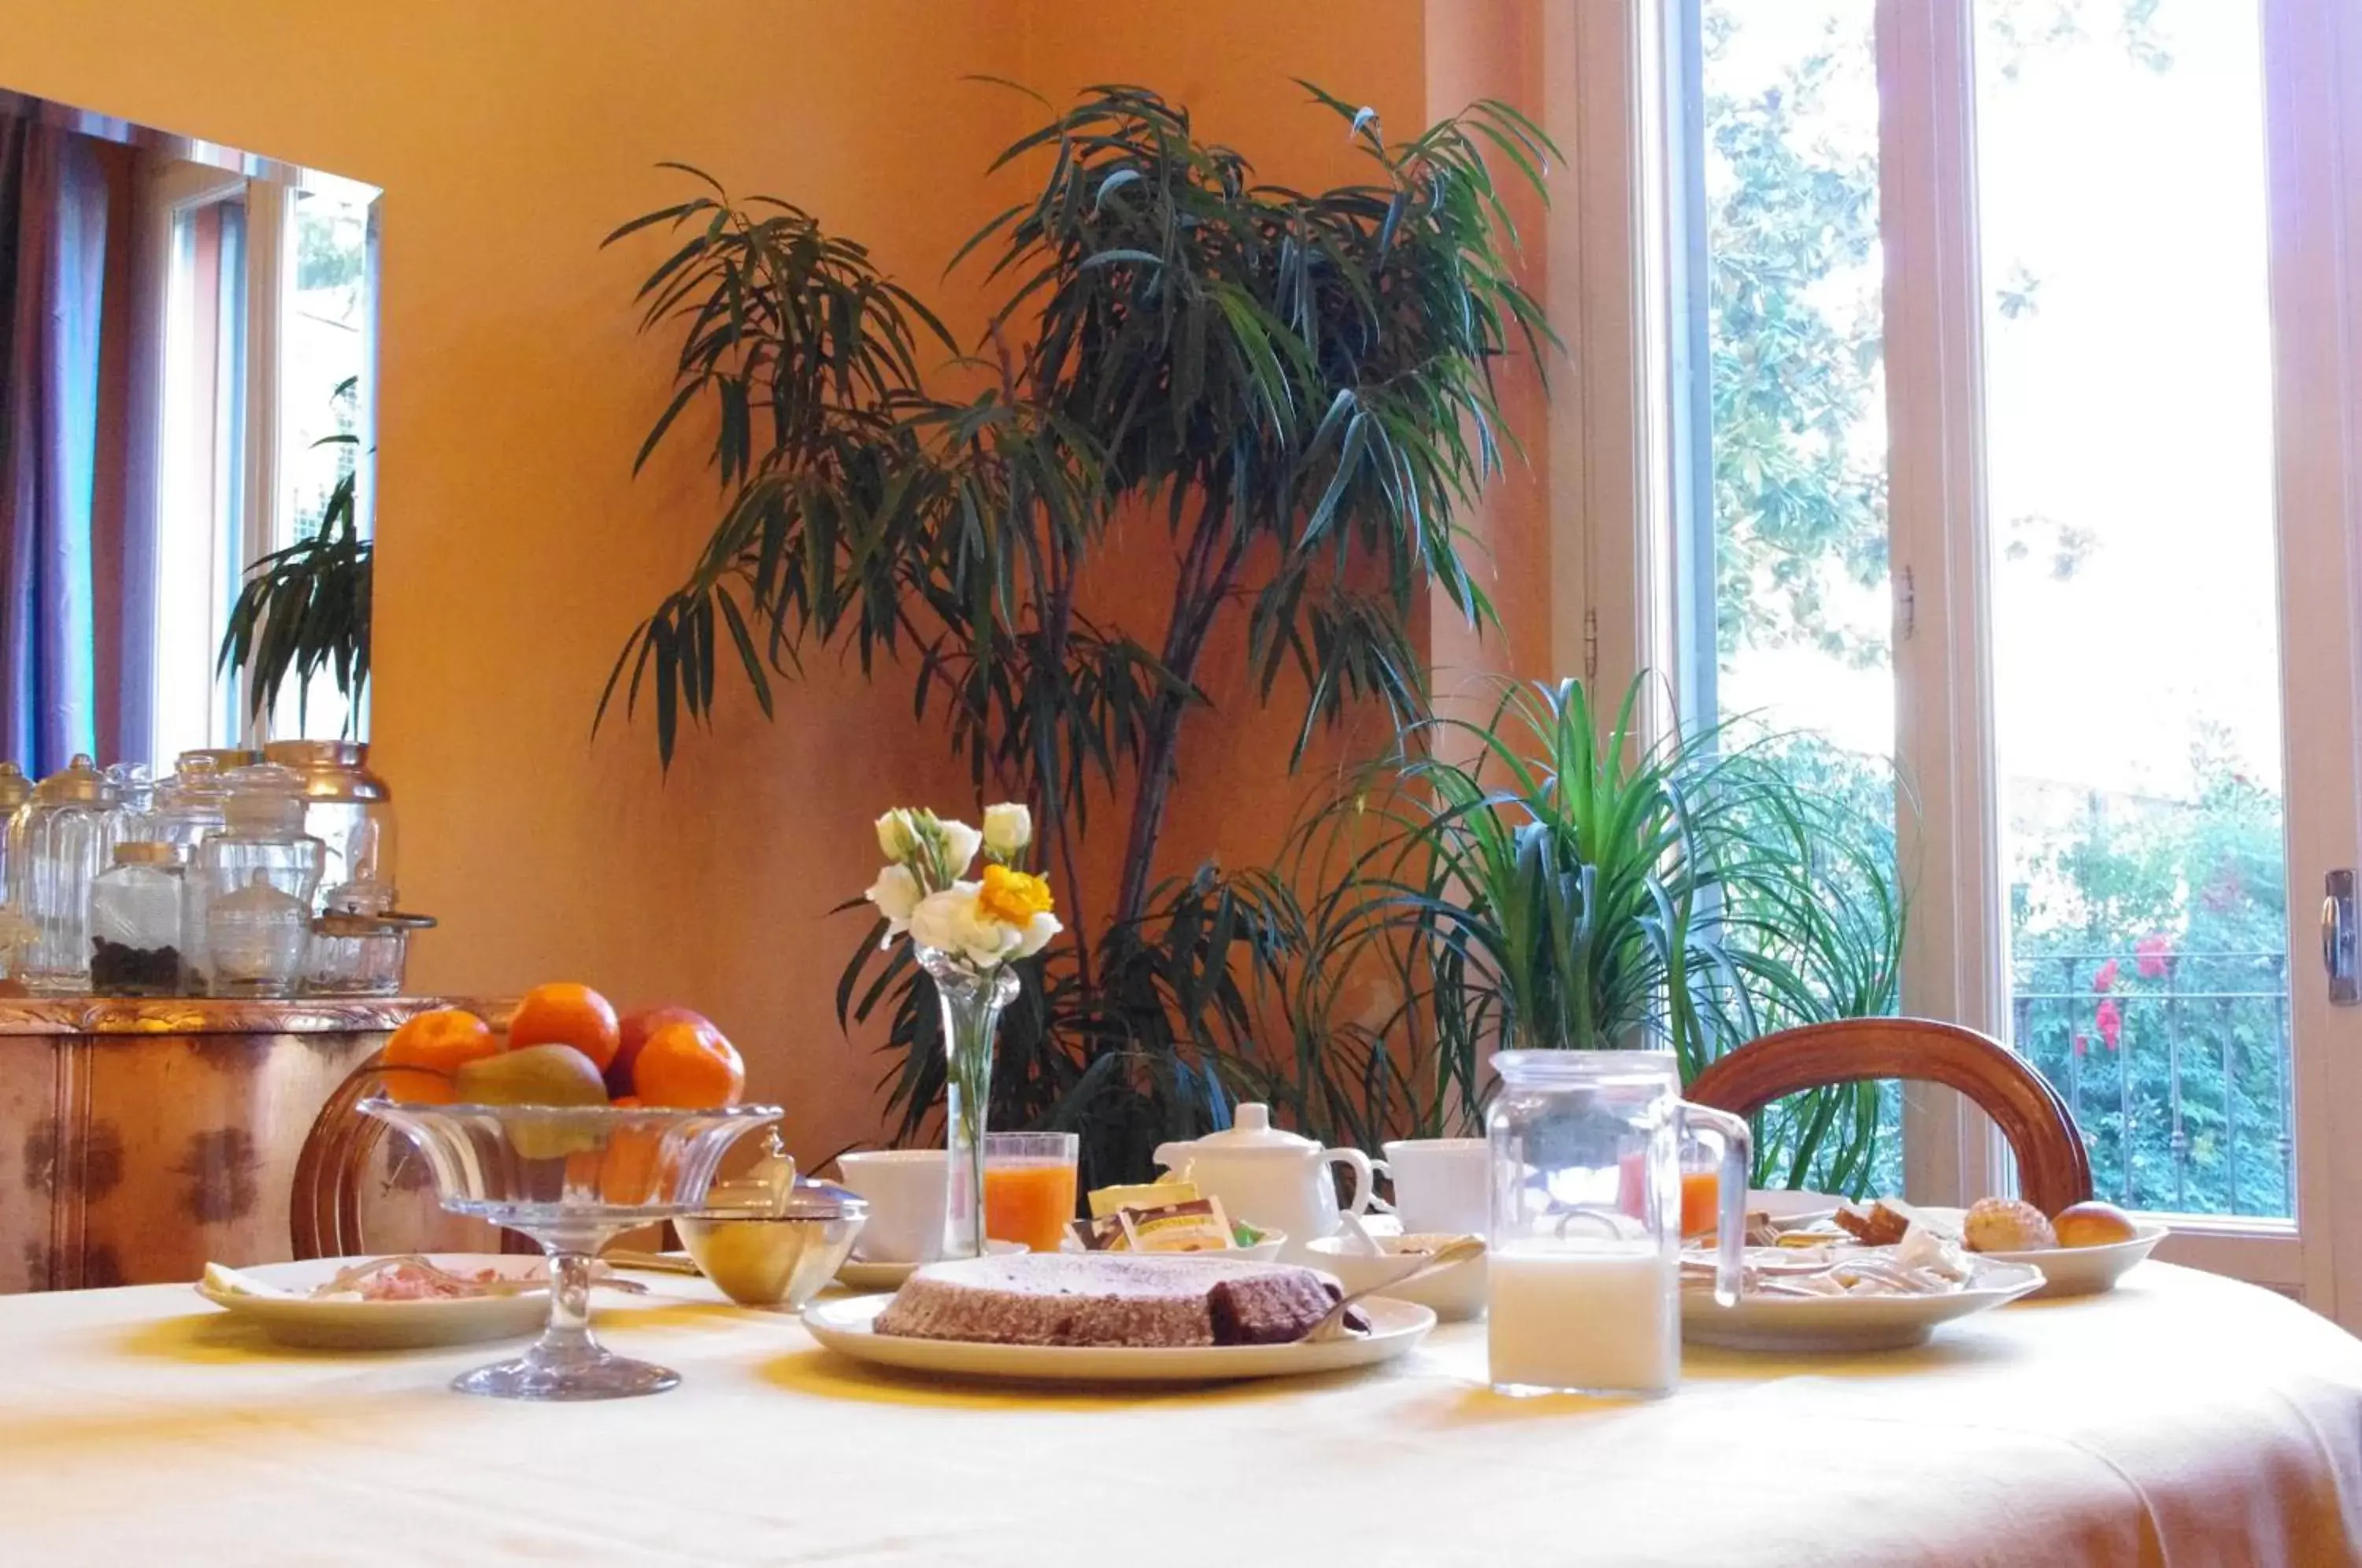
{"x": 1109, "y": 1299}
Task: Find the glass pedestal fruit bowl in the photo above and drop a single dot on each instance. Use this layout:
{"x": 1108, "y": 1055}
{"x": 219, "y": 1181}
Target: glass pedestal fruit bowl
{"x": 573, "y": 1178}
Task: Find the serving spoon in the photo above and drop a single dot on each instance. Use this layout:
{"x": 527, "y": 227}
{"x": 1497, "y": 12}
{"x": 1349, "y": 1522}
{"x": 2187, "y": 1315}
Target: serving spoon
{"x": 1459, "y": 1250}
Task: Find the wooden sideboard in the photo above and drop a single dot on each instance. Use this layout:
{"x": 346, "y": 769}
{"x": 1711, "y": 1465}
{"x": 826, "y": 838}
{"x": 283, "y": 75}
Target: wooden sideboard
{"x": 140, "y": 1138}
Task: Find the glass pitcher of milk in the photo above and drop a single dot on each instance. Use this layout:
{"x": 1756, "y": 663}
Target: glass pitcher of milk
{"x": 1584, "y": 1279}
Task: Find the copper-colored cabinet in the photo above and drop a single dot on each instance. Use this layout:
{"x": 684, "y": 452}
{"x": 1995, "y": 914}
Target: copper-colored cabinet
{"x": 138, "y": 1138}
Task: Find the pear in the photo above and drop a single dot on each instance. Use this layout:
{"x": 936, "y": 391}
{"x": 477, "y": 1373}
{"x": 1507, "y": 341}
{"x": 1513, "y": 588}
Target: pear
{"x": 556, "y": 1075}
{"x": 535, "y": 1075}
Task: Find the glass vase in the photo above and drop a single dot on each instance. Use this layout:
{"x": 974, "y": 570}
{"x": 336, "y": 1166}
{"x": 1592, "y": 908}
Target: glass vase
{"x": 971, "y": 1000}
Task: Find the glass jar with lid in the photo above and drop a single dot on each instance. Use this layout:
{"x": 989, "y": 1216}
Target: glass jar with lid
{"x": 15, "y": 933}
{"x": 135, "y": 922}
{"x": 360, "y": 945}
{"x": 189, "y": 803}
{"x": 58, "y": 842}
{"x": 347, "y": 806}
{"x": 255, "y": 938}
{"x": 260, "y": 845}
{"x": 135, "y": 800}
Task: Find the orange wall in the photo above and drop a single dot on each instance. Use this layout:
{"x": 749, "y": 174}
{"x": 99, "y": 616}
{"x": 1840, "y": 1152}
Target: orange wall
{"x": 517, "y": 550}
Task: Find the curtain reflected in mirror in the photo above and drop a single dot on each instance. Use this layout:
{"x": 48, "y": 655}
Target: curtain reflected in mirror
{"x": 187, "y": 376}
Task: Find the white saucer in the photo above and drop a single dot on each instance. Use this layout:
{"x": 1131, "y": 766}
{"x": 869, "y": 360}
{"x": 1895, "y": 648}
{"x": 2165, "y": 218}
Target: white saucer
{"x": 857, "y": 1275}
{"x": 388, "y": 1325}
{"x": 1395, "y": 1327}
{"x": 1848, "y": 1322}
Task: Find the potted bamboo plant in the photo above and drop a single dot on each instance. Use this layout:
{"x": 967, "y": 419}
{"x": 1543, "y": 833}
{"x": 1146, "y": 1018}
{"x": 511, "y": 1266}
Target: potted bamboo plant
{"x": 1298, "y": 387}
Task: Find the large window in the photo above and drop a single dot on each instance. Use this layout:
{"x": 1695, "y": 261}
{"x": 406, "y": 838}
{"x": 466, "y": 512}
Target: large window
{"x": 262, "y": 355}
{"x": 1983, "y": 345}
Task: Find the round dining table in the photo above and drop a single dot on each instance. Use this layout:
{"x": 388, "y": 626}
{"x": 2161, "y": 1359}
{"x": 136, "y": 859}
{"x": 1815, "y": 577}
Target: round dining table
{"x": 2181, "y": 1420}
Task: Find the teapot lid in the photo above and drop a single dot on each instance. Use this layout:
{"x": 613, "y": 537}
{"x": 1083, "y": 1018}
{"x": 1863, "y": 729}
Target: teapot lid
{"x": 1251, "y": 1129}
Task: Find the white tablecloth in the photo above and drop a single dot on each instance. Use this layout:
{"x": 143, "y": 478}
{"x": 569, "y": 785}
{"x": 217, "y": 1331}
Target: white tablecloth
{"x": 2184, "y": 1419}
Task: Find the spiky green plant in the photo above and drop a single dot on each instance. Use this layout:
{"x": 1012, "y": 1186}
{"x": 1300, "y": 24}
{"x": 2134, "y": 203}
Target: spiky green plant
{"x": 1546, "y": 880}
{"x": 1298, "y": 383}
{"x": 304, "y": 610}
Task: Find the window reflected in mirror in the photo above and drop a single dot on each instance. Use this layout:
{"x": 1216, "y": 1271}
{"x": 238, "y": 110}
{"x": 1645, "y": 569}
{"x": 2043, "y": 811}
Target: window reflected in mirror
{"x": 187, "y": 389}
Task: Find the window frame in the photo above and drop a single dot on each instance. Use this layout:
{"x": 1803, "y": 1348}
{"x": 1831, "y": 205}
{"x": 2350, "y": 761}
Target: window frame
{"x": 1621, "y": 556}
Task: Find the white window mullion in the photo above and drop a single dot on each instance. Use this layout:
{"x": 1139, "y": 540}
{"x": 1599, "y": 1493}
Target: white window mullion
{"x": 1953, "y": 964}
{"x": 1607, "y": 288}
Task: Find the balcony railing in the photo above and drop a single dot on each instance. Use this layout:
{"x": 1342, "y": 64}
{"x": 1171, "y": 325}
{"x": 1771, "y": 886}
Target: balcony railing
{"x": 2177, "y": 1067}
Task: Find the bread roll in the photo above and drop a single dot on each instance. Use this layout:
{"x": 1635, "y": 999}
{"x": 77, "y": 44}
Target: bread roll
{"x": 2006, "y": 1225}
{"x": 2092, "y": 1224}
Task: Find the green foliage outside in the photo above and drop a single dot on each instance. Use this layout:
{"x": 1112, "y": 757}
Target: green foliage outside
{"x": 2149, "y": 936}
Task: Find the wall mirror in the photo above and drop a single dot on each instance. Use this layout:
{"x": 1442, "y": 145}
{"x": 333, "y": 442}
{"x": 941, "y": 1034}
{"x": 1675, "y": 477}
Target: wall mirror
{"x": 187, "y": 387}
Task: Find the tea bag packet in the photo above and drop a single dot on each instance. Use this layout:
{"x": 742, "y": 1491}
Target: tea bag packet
{"x": 1197, "y": 1226}
{"x": 1101, "y": 1235}
{"x": 1109, "y": 1201}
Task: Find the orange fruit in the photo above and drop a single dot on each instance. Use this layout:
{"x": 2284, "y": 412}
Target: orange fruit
{"x": 688, "y": 1069}
{"x": 636, "y": 1164}
{"x": 434, "y": 1044}
{"x": 562, "y": 1014}
{"x": 634, "y": 1030}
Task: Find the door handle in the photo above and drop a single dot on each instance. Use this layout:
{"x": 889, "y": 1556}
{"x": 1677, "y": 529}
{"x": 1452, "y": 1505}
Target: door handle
{"x": 2338, "y": 938}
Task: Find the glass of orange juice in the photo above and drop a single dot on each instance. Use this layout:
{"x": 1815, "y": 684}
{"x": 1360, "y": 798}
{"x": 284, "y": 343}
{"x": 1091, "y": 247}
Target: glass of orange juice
{"x": 1029, "y": 1188}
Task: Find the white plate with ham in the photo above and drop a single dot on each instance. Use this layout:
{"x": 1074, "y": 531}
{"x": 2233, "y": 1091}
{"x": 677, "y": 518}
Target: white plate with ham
{"x": 440, "y": 1299}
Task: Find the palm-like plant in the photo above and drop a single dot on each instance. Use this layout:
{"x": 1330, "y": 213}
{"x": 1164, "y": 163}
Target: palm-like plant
{"x": 1546, "y": 880}
{"x": 305, "y": 610}
{"x": 1298, "y": 383}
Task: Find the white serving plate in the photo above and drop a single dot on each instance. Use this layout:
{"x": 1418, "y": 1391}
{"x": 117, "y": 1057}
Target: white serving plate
{"x": 1454, "y": 1294}
{"x": 1788, "y": 1323}
{"x": 389, "y": 1325}
{"x": 1396, "y": 1327}
{"x": 2066, "y": 1271}
{"x": 2086, "y": 1271}
{"x": 1785, "y": 1207}
{"x": 856, "y": 1273}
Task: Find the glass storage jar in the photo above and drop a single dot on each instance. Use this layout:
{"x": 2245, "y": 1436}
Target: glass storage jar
{"x": 347, "y": 808}
{"x": 360, "y": 946}
{"x": 15, "y": 933}
{"x": 57, "y": 843}
{"x": 135, "y": 922}
{"x": 189, "y": 804}
{"x": 261, "y": 837}
{"x": 255, "y": 939}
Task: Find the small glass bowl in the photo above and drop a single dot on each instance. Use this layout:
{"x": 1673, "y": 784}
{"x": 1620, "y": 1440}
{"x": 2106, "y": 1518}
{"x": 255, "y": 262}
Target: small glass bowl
{"x": 573, "y": 1178}
{"x": 764, "y": 1257}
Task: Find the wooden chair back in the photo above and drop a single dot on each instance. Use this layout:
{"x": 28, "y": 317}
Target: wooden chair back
{"x": 2054, "y": 1169}
{"x": 350, "y": 1165}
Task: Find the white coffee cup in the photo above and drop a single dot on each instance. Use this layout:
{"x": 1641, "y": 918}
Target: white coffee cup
{"x": 1440, "y": 1185}
{"x": 906, "y": 1191}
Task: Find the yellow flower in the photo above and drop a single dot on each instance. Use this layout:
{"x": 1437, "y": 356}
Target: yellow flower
{"x": 1012, "y": 898}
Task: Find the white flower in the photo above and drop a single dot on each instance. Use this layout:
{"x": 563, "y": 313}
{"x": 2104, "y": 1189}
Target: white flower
{"x": 960, "y": 844}
{"x": 1034, "y": 934}
{"x": 952, "y": 921}
{"x": 1007, "y": 829}
{"x": 896, "y": 894}
{"x": 896, "y": 839}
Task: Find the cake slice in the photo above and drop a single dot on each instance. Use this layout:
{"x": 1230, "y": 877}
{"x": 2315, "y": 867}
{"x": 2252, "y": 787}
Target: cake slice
{"x": 1108, "y": 1299}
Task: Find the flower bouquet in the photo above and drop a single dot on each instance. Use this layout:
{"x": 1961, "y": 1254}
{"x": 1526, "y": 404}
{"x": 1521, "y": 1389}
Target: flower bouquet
{"x": 965, "y": 932}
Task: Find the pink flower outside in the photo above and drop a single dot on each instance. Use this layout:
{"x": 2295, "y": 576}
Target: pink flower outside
{"x": 2110, "y": 1022}
{"x": 2105, "y": 980}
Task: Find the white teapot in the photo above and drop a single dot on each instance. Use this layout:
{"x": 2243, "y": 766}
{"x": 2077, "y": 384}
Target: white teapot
{"x": 1272, "y": 1179}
